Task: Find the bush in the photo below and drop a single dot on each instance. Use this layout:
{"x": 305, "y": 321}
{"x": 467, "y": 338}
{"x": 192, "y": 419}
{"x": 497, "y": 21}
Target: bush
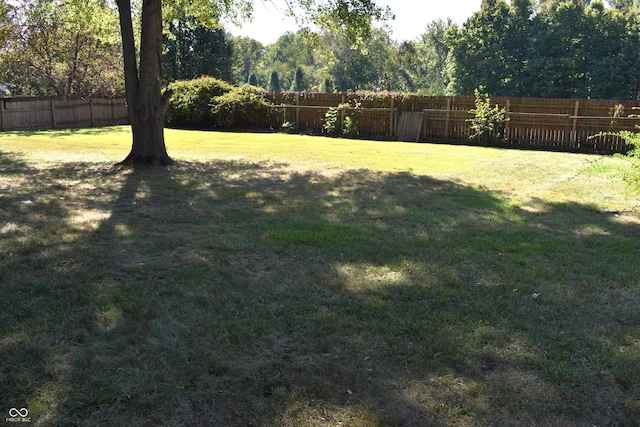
{"x": 191, "y": 100}
{"x": 632, "y": 176}
{"x": 350, "y": 127}
{"x": 243, "y": 107}
{"x": 289, "y": 127}
{"x": 330, "y": 125}
{"x": 488, "y": 123}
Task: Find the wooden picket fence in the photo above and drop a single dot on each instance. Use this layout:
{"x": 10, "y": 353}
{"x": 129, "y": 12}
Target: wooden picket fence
{"x": 579, "y": 125}
{"x": 55, "y": 113}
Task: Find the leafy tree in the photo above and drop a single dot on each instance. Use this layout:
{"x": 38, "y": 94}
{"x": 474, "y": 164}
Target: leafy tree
{"x": 410, "y": 64}
{"x": 624, "y": 6}
{"x": 143, "y": 72}
{"x": 565, "y": 48}
{"x": 192, "y": 50}
{"x": 248, "y": 54}
{"x": 351, "y": 66}
{"x": 6, "y": 27}
{"x": 423, "y": 64}
{"x": 583, "y": 51}
{"x": 555, "y": 69}
{"x": 477, "y": 50}
{"x": 290, "y": 52}
{"x": 60, "y": 48}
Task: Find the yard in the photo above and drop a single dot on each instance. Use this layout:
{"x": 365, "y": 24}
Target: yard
{"x": 287, "y": 280}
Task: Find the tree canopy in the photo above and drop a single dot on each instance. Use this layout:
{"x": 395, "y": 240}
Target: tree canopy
{"x": 556, "y": 48}
{"x": 60, "y": 48}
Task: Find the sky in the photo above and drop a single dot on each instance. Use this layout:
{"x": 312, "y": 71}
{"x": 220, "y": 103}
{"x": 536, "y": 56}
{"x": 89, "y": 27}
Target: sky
{"x": 412, "y": 17}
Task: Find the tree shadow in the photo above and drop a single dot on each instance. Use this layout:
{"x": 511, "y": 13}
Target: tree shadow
{"x": 69, "y": 132}
{"x": 230, "y": 293}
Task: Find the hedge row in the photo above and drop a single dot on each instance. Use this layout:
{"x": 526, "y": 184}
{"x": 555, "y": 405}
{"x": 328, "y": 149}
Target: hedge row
{"x": 210, "y": 103}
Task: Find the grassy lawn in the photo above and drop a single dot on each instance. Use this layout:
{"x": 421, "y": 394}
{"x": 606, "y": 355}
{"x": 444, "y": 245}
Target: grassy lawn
{"x": 285, "y": 280}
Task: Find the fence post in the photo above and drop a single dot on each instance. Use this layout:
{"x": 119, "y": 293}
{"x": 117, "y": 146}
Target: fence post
{"x": 447, "y": 117}
{"x": 576, "y": 110}
{"x": 392, "y": 127}
{"x": 298, "y": 109}
{"x": 93, "y": 123}
{"x": 567, "y": 131}
{"x": 344, "y": 101}
{"x": 506, "y": 115}
{"x": 53, "y": 114}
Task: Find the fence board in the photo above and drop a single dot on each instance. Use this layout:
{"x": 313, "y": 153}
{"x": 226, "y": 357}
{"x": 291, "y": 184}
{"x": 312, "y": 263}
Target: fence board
{"x": 549, "y": 123}
{"x": 54, "y": 113}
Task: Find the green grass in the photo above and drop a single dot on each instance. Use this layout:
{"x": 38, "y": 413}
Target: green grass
{"x": 284, "y": 280}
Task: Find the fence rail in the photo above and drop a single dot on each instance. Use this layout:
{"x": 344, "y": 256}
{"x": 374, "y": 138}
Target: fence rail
{"x": 54, "y": 113}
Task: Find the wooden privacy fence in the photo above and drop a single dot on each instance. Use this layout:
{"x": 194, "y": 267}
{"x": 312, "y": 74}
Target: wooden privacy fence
{"x": 559, "y": 124}
{"x": 54, "y": 113}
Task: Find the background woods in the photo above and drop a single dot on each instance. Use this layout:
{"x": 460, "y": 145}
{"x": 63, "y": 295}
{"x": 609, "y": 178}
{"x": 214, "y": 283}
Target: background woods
{"x": 550, "y": 48}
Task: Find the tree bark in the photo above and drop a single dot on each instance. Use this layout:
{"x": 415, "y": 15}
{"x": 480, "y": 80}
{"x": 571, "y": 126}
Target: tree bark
{"x": 145, "y": 102}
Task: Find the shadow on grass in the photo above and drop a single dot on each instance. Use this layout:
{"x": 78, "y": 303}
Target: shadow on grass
{"x": 69, "y": 132}
{"x": 249, "y": 294}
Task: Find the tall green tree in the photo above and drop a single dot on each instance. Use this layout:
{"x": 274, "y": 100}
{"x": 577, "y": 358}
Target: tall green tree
{"x": 274, "y": 82}
{"x": 247, "y": 57}
{"x": 290, "y": 52}
{"x": 607, "y": 53}
{"x": 368, "y": 64}
{"x": 584, "y": 51}
{"x": 192, "y": 50}
{"x": 423, "y": 63}
{"x": 477, "y": 50}
{"x": 6, "y": 25}
{"x": 60, "y": 48}
{"x": 562, "y": 48}
{"x": 299, "y": 82}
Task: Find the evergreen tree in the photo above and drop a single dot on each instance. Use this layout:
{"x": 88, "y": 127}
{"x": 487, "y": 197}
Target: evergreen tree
{"x": 274, "y": 82}
{"x": 298, "y": 84}
{"x": 328, "y": 86}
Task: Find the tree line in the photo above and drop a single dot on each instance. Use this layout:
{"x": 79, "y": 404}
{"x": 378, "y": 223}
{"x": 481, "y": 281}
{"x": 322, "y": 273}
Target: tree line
{"x": 524, "y": 48}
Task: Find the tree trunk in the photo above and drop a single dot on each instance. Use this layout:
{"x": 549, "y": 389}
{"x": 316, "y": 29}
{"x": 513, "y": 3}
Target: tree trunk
{"x": 144, "y": 85}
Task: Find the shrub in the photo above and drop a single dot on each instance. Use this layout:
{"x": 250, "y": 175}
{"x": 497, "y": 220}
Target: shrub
{"x": 190, "y": 102}
{"x": 632, "y": 176}
{"x": 350, "y": 127}
{"x": 488, "y": 123}
{"x": 330, "y": 125}
{"x": 289, "y": 127}
{"x": 243, "y": 107}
